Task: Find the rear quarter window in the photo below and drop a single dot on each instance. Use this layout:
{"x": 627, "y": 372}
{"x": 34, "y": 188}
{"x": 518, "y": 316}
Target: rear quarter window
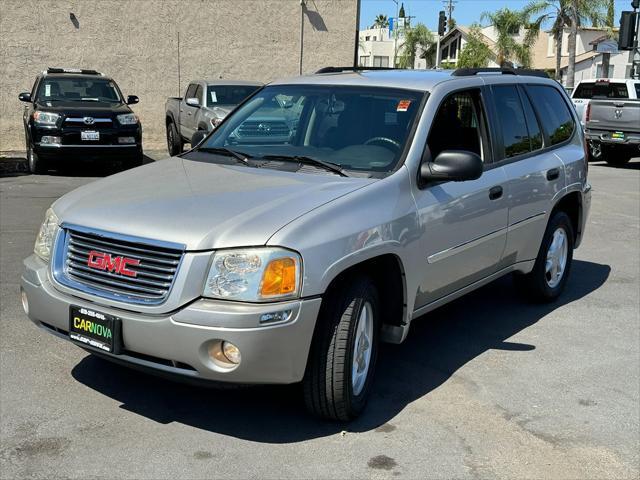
{"x": 553, "y": 112}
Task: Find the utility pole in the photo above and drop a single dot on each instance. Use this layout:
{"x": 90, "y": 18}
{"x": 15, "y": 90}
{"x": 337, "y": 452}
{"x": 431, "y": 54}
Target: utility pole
{"x": 450, "y": 6}
{"x": 395, "y": 34}
{"x": 302, "y": 7}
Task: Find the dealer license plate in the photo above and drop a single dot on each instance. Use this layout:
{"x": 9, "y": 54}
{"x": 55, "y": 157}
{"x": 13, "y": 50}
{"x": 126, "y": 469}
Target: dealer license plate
{"x": 617, "y": 136}
{"x": 89, "y": 135}
{"x": 94, "y": 329}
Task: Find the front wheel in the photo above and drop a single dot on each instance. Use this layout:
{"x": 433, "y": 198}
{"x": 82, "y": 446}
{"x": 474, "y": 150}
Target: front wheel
{"x": 36, "y": 165}
{"x": 550, "y": 272}
{"x": 344, "y": 351}
{"x": 174, "y": 141}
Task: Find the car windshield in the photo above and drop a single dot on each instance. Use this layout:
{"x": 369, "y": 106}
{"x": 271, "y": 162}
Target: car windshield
{"x": 355, "y": 128}
{"x": 601, "y": 90}
{"x": 228, "y": 94}
{"x": 78, "y": 89}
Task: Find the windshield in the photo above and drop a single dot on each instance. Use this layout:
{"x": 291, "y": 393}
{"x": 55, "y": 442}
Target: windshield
{"x": 78, "y": 89}
{"x": 601, "y": 90}
{"x": 355, "y": 128}
{"x": 228, "y": 94}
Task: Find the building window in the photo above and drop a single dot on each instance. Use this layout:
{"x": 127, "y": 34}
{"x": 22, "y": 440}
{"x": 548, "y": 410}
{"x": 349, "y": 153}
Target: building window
{"x": 600, "y": 73}
{"x": 445, "y": 53}
{"x": 364, "y": 61}
{"x": 367, "y": 38}
{"x": 380, "y": 61}
{"x": 453, "y": 49}
{"x": 375, "y": 38}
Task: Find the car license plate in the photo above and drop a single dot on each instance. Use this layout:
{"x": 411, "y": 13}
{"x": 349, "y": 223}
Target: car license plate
{"x": 617, "y": 135}
{"x": 94, "y": 329}
{"x": 89, "y": 135}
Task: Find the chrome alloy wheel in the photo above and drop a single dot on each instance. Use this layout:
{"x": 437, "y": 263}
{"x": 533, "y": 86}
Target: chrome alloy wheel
{"x": 362, "y": 348}
{"x": 556, "y": 258}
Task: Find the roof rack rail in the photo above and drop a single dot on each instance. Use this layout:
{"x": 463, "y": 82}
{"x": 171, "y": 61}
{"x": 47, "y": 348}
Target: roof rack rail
{"x": 72, "y": 70}
{"x": 351, "y": 69}
{"x": 467, "y": 72}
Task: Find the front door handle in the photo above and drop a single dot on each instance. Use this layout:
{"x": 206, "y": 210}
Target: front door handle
{"x": 495, "y": 193}
{"x": 553, "y": 174}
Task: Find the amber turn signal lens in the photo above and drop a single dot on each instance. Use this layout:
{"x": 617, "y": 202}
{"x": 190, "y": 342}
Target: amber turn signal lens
{"x": 279, "y": 278}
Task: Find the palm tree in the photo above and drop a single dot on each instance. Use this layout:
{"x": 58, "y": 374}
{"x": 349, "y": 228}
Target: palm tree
{"x": 381, "y": 21}
{"x": 562, "y": 13}
{"x": 509, "y": 23}
{"x": 418, "y": 38}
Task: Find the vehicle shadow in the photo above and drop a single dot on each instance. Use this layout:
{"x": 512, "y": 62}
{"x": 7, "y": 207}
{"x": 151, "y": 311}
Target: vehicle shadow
{"x": 437, "y": 346}
{"x": 634, "y": 164}
{"x": 17, "y": 166}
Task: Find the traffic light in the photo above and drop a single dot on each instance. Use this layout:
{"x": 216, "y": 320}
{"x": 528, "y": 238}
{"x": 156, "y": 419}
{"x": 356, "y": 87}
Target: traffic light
{"x": 627, "y": 30}
{"x": 635, "y": 3}
{"x": 442, "y": 23}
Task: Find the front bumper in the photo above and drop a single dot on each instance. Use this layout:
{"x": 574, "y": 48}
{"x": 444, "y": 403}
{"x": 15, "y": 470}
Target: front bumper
{"x": 176, "y": 343}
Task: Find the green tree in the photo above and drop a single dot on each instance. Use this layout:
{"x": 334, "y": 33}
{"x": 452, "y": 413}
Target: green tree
{"x": 381, "y": 21}
{"x": 419, "y": 38}
{"x": 508, "y": 24}
{"x": 475, "y": 53}
{"x": 561, "y": 12}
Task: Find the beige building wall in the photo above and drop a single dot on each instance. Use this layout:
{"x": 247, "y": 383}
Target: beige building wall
{"x": 136, "y": 42}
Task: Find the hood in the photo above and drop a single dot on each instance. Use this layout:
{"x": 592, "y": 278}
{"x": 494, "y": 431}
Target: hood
{"x": 95, "y": 109}
{"x": 222, "y": 111}
{"x": 199, "y": 204}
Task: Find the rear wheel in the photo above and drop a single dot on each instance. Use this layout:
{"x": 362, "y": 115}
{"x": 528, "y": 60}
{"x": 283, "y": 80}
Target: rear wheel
{"x": 344, "y": 351}
{"x": 616, "y": 157}
{"x": 549, "y": 276}
{"x": 174, "y": 142}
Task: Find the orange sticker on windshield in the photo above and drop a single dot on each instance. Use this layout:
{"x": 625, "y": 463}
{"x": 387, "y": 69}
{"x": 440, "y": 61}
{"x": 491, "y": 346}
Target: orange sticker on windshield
{"x": 403, "y": 105}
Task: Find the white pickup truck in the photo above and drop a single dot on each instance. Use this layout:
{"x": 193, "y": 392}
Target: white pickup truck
{"x": 609, "y": 110}
{"x": 203, "y": 107}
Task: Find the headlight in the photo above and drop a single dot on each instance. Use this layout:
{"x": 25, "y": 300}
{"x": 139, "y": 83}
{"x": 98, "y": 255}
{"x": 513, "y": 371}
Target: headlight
{"x": 46, "y": 235}
{"x": 215, "y": 122}
{"x": 254, "y": 275}
{"x": 127, "y": 119}
{"x": 45, "y": 118}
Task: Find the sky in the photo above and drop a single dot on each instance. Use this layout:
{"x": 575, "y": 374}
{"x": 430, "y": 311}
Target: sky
{"x": 465, "y": 12}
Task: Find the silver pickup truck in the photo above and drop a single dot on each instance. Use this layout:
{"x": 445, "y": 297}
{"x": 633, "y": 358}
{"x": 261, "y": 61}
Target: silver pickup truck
{"x": 612, "y": 127}
{"x": 321, "y": 217}
{"x": 204, "y": 106}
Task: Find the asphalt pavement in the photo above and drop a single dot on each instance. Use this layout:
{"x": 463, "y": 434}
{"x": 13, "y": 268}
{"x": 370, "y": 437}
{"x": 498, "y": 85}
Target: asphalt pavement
{"x": 486, "y": 387}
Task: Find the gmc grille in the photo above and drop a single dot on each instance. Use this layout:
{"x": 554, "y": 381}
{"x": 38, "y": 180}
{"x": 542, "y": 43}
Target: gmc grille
{"x": 154, "y": 274}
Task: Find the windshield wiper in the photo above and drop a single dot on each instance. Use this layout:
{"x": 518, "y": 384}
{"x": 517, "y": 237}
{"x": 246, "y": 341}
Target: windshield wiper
{"x": 241, "y": 157}
{"x": 330, "y": 166}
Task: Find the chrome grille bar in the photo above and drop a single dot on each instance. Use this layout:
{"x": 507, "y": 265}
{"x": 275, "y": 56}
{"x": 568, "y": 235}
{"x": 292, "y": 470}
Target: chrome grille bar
{"x": 92, "y": 261}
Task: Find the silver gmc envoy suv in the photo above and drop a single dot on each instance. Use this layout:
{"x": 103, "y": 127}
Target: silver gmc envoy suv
{"x": 317, "y": 220}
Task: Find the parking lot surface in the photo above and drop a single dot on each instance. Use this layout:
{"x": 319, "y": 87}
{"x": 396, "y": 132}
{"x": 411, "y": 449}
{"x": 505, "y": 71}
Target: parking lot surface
{"x": 487, "y": 386}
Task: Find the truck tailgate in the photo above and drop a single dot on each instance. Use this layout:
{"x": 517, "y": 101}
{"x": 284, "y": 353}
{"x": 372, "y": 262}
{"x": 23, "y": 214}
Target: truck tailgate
{"x": 614, "y": 115}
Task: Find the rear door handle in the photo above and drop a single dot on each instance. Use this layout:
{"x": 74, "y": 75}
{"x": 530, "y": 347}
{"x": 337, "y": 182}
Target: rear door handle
{"x": 495, "y": 193}
{"x": 553, "y": 174}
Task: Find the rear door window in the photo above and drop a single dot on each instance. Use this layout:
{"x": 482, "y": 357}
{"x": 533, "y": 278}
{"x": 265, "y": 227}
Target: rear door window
{"x": 601, "y": 90}
{"x": 535, "y": 135}
{"x": 553, "y": 111}
{"x": 515, "y": 135}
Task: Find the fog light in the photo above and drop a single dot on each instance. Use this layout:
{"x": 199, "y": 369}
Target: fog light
{"x": 50, "y": 140}
{"x": 126, "y": 140}
{"x": 231, "y": 352}
{"x": 25, "y": 301}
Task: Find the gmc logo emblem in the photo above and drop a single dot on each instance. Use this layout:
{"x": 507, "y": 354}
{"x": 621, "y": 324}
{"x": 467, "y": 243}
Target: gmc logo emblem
{"x": 104, "y": 261}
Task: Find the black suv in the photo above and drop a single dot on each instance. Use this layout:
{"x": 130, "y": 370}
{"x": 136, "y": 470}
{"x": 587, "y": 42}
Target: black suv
{"x": 79, "y": 114}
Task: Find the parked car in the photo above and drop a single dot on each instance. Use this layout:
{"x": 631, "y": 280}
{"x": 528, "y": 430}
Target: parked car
{"x": 203, "y": 107}
{"x": 79, "y": 114}
{"x": 290, "y": 261}
{"x": 602, "y": 88}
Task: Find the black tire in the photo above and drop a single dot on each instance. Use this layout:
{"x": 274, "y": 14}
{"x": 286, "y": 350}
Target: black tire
{"x": 36, "y": 165}
{"x": 328, "y": 387}
{"x": 174, "y": 141}
{"x": 536, "y": 285}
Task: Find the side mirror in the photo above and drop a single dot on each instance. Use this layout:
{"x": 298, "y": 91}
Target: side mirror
{"x": 452, "y": 165}
{"x": 24, "y": 97}
{"x": 198, "y": 136}
{"x": 194, "y": 102}
{"x": 132, "y": 99}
